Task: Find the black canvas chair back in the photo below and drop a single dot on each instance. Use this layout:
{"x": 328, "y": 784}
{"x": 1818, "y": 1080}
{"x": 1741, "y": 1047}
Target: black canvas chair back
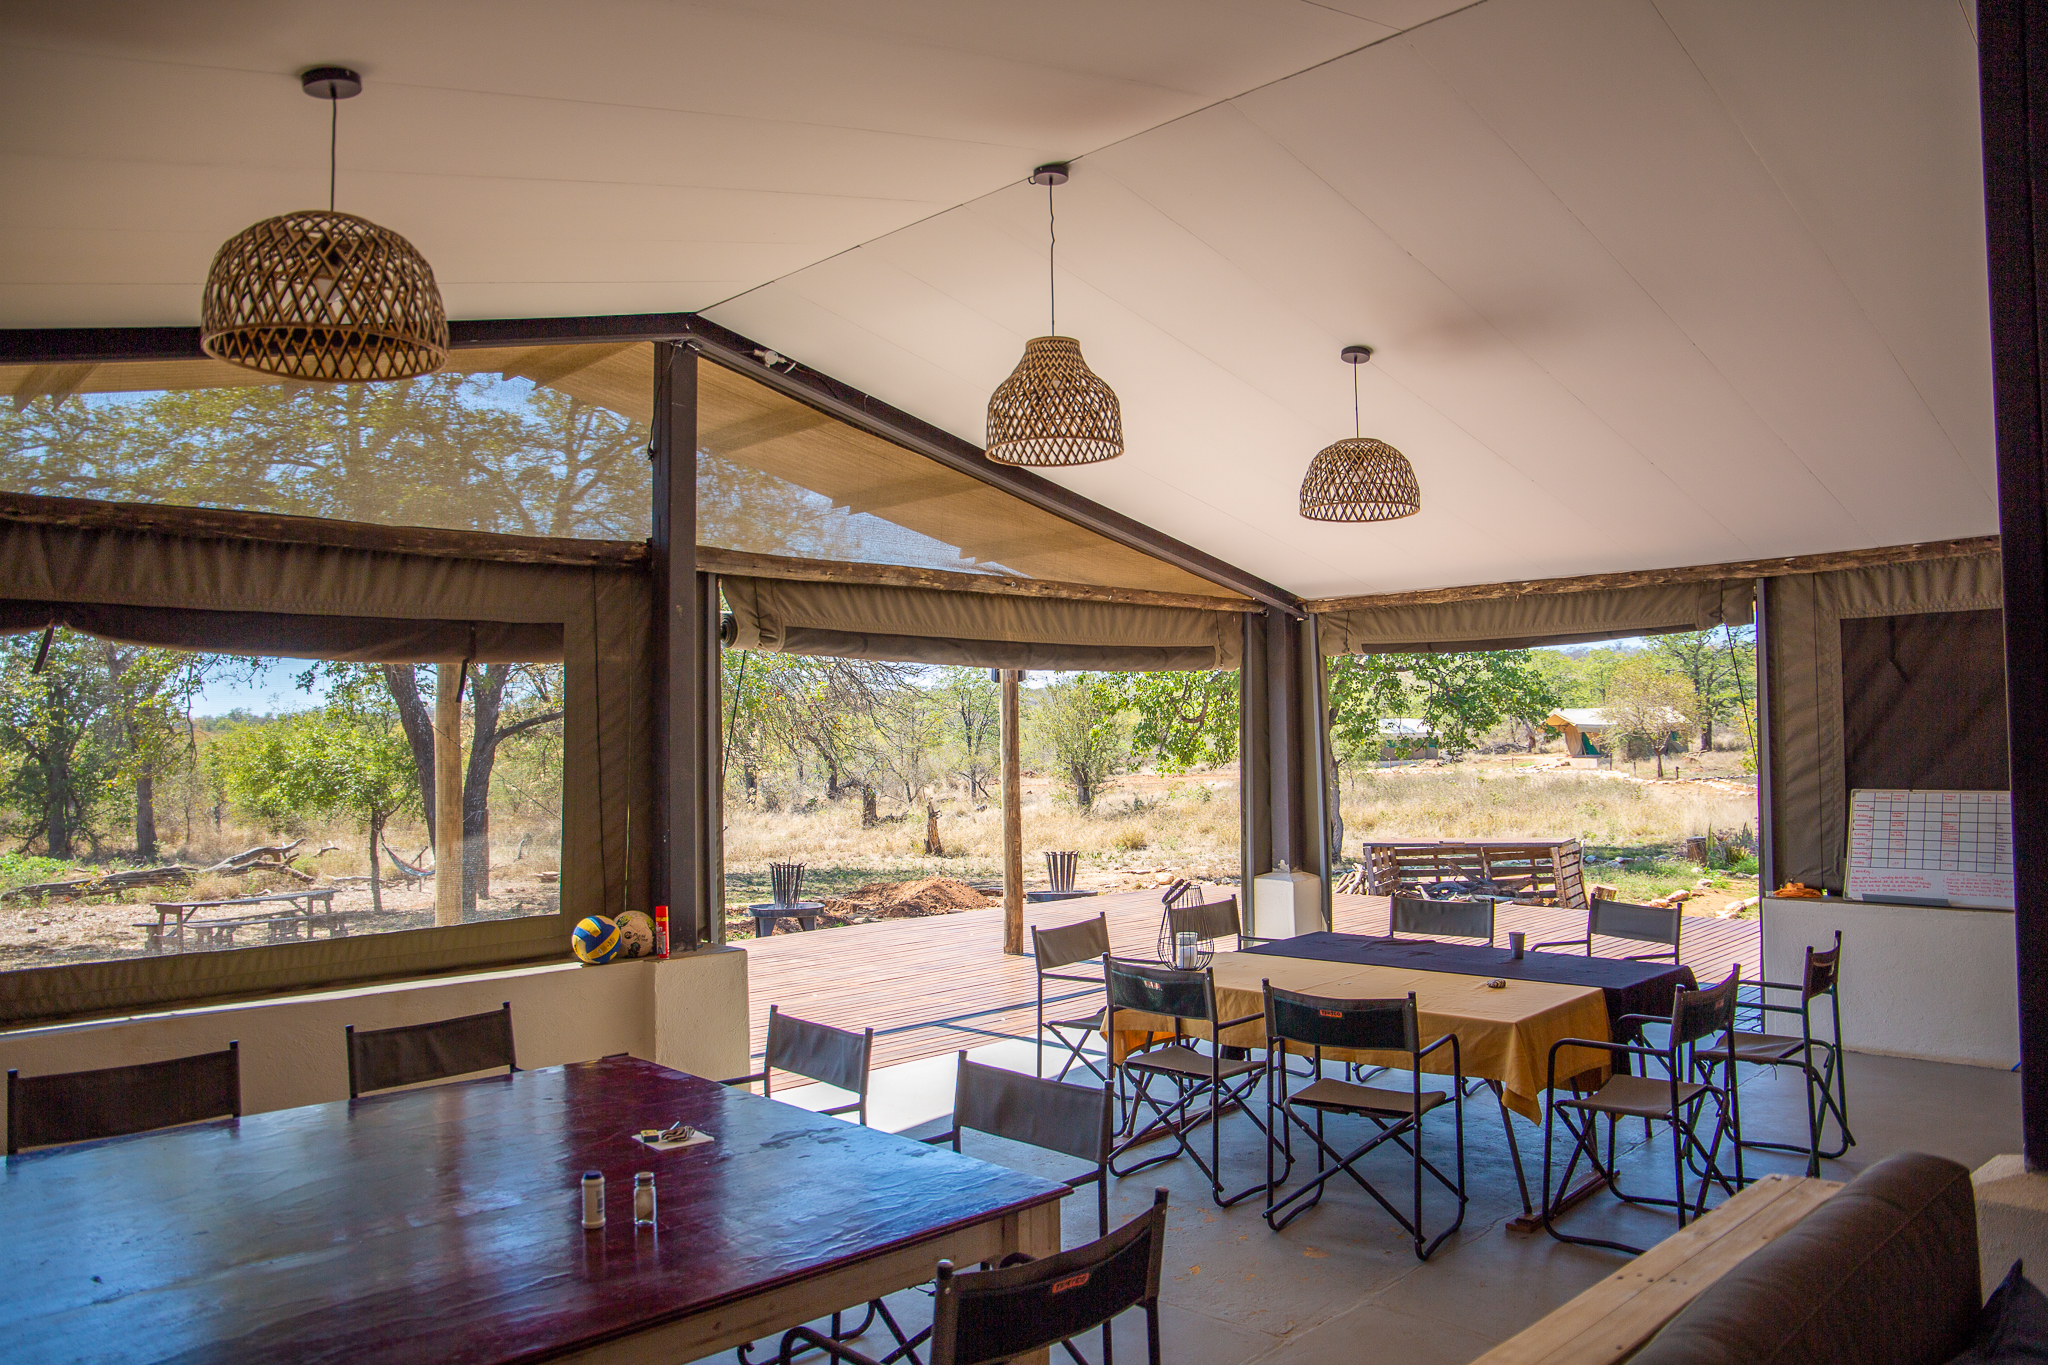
{"x": 1159, "y": 990}
{"x": 996, "y": 1315}
{"x": 817, "y": 1052}
{"x": 1822, "y": 968}
{"x": 989, "y": 1316}
{"x": 1070, "y": 943}
{"x": 1709, "y": 1010}
{"x": 1068, "y": 1119}
{"x": 1385, "y": 1025}
{"x": 78, "y": 1106}
{"x": 1643, "y": 923}
{"x": 411, "y": 1053}
{"x": 1459, "y": 919}
{"x": 1210, "y": 920}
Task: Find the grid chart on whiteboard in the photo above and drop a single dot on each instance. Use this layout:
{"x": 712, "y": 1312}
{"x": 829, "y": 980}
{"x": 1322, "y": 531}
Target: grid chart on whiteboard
{"x": 1932, "y": 831}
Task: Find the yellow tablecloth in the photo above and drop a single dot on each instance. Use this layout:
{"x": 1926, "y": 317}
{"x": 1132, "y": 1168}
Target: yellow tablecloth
{"x": 1503, "y": 1035}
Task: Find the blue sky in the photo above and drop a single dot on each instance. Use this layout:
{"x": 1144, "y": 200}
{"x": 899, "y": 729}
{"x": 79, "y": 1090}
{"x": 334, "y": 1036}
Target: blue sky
{"x": 272, "y": 688}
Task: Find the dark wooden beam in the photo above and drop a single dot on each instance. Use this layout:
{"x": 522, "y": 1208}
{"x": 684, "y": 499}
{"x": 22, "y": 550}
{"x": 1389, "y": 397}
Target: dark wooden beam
{"x": 82, "y": 345}
{"x": 862, "y": 410}
{"x": 213, "y": 523}
{"x": 739, "y": 563}
{"x": 678, "y": 648}
{"x": 2012, "y": 57}
{"x": 1647, "y": 578}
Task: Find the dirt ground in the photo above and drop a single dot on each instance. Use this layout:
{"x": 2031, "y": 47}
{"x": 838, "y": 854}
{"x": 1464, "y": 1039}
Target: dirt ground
{"x": 59, "y": 932}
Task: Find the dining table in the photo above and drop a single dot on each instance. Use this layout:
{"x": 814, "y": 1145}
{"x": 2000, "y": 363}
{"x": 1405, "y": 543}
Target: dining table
{"x": 445, "y": 1224}
{"x": 1507, "y": 1012}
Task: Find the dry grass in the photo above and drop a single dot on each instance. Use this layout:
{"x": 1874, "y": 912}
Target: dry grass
{"x": 1608, "y": 812}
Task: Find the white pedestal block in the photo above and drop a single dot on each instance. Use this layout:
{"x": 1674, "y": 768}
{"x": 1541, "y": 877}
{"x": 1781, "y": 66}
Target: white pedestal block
{"x": 2012, "y": 1219}
{"x": 1287, "y": 903}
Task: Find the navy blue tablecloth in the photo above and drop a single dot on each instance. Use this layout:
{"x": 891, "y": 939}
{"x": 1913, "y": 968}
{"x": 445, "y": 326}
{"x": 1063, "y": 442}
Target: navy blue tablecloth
{"x": 1631, "y": 987}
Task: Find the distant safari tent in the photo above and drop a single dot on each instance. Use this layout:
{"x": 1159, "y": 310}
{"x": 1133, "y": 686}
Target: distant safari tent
{"x": 1585, "y": 732}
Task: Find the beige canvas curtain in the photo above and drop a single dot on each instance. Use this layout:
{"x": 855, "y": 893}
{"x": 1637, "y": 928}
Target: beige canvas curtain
{"x": 1529, "y": 619}
{"x": 984, "y": 630}
{"x": 223, "y": 596}
{"x": 1803, "y": 625}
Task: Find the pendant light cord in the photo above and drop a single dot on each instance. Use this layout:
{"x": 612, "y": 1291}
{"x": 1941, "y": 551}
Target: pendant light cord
{"x": 1052, "y": 243}
{"x": 333, "y": 141}
{"x": 1356, "y": 429}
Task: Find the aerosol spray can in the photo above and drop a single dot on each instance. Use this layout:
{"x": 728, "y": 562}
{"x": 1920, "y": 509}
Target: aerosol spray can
{"x": 661, "y": 931}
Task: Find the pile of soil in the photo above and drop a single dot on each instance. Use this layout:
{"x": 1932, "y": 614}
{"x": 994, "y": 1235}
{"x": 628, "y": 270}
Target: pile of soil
{"x": 905, "y": 900}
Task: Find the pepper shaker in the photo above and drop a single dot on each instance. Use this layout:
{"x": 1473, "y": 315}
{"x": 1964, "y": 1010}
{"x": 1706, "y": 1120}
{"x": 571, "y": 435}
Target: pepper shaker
{"x": 643, "y": 1199}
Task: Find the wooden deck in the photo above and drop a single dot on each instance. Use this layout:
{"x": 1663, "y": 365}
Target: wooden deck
{"x": 931, "y": 986}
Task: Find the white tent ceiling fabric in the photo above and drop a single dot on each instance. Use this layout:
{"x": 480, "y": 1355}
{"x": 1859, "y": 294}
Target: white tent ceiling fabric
{"x": 1652, "y": 282}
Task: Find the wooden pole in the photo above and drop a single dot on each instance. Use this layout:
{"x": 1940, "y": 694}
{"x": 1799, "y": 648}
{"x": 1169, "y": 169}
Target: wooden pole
{"x": 1013, "y": 821}
{"x": 448, "y": 794}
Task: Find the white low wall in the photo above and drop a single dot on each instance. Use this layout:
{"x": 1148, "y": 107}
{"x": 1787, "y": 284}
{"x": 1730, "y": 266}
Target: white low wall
{"x": 1917, "y": 981}
{"x": 687, "y": 1012}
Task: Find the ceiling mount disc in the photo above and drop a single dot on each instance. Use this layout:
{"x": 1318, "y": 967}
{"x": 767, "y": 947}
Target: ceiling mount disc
{"x": 1356, "y": 355}
{"x": 1052, "y": 173}
{"x": 331, "y": 83}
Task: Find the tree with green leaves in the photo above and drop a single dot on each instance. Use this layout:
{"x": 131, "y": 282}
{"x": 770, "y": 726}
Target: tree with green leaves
{"x": 1078, "y": 720}
{"x": 972, "y": 702}
{"x": 52, "y": 718}
{"x": 347, "y": 758}
{"x": 1459, "y": 696}
{"x": 1645, "y": 704}
{"x": 1719, "y": 664}
{"x": 1182, "y": 719}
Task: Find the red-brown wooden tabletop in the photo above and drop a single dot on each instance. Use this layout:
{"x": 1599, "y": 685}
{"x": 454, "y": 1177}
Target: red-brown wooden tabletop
{"x": 444, "y": 1224}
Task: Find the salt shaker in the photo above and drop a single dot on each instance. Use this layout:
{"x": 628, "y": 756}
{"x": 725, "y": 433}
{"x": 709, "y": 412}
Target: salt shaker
{"x": 643, "y": 1199}
{"x": 593, "y": 1199}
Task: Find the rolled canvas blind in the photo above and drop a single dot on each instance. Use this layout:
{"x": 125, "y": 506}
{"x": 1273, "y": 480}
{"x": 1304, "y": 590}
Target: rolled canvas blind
{"x": 1529, "y": 619}
{"x": 1803, "y": 629}
{"x": 257, "y": 597}
{"x": 984, "y": 630}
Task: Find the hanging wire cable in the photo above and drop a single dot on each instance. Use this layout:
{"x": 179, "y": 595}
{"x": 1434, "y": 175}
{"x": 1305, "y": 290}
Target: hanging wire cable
{"x": 333, "y": 142}
{"x": 1356, "y": 428}
{"x": 1052, "y": 243}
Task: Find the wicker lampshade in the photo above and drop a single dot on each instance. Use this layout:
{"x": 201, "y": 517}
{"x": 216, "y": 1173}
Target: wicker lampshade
{"x": 1054, "y": 410}
{"x": 323, "y": 296}
{"x": 1360, "y": 479}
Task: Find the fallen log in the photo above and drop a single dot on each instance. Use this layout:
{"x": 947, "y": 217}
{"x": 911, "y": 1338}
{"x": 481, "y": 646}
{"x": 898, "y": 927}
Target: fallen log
{"x": 239, "y": 868}
{"x": 105, "y": 884}
{"x": 280, "y": 853}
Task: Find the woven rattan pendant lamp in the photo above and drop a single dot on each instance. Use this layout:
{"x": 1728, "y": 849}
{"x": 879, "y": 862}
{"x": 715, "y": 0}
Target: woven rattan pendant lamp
{"x": 1358, "y": 478}
{"x": 1053, "y": 410}
{"x": 323, "y": 295}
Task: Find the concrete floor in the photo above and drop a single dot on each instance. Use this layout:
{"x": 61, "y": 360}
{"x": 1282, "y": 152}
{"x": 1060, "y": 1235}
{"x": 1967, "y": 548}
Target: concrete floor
{"x": 1341, "y": 1283}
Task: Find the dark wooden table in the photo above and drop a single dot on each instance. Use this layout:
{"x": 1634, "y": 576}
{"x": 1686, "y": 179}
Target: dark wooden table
{"x": 443, "y": 1225}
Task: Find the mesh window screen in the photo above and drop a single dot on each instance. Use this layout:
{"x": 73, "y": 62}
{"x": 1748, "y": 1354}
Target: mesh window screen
{"x": 777, "y": 477}
{"x": 546, "y": 441}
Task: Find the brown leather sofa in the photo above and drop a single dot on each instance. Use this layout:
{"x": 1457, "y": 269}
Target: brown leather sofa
{"x": 1883, "y": 1273}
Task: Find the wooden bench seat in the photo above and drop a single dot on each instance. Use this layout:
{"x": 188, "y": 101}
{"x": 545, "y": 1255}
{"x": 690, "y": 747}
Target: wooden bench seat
{"x": 1614, "y": 1318}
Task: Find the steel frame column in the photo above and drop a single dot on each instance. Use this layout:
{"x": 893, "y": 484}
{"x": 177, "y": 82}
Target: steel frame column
{"x": 2012, "y": 50}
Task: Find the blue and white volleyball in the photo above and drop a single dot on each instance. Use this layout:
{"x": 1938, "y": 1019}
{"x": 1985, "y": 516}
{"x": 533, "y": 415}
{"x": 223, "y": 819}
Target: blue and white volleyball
{"x": 595, "y": 939}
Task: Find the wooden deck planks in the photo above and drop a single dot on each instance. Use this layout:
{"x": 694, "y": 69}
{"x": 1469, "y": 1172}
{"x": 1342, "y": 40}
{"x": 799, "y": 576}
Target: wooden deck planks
{"x": 934, "y": 985}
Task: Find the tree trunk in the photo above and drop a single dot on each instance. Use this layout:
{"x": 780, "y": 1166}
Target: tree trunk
{"x": 487, "y": 693}
{"x": 376, "y": 877}
{"x": 868, "y": 817}
{"x": 933, "y": 848}
{"x": 403, "y": 682}
{"x": 145, "y": 816}
{"x": 57, "y": 816}
{"x": 448, "y": 795}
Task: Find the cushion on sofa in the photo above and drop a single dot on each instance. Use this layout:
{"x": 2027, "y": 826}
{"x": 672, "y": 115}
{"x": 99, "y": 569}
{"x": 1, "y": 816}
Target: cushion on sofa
{"x": 1883, "y": 1273}
{"x": 2013, "y": 1328}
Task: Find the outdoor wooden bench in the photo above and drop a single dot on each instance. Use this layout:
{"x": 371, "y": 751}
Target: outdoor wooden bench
{"x": 1614, "y": 1318}
{"x": 1526, "y": 867}
{"x": 175, "y": 918}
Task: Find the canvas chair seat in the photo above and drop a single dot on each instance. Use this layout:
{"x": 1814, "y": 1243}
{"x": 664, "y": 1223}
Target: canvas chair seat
{"x": 1639, "y": 1097}
{"x": 1346, "y": 1097}
{"x": 1766, "y": 1047}
{"x": 1092, "y": 1023}
{"x": 1176, "y": 1060}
